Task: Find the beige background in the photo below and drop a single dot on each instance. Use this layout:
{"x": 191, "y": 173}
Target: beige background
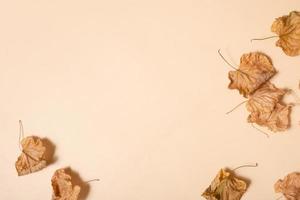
{"x": 134, "y": 93}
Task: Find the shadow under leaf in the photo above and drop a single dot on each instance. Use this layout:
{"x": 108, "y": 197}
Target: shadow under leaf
{"x": 77, "y": 180}
{"x": 50, "y": 150}
{"x": 233, "y": 173}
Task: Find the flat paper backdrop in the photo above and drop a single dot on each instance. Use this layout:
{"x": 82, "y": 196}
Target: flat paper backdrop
{"x": 134, "y": 93}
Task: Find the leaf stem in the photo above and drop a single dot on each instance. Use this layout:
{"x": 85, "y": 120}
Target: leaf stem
{"x": 242, "y": 166}
{"x": 266, "y": 38}
{"x": 236, "y": 107}
{"x": 21, "y": 133}
{"x": 92, "y": 180}
{"x": 260, "y": 130}
{"x": 219, "y": 52}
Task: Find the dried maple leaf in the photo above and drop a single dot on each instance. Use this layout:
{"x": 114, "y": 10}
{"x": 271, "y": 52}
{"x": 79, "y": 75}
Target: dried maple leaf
{"x": 62, "y": 186}
{"x": 225, "y": 187}
{"x": 288, "y": 29}
{"x": 276, "y": 120}
{"x": 32, "y": 157}
{"x": 265, "y": 98}
{"x": 289, "y": 186}
{"x": 255, "y": 69}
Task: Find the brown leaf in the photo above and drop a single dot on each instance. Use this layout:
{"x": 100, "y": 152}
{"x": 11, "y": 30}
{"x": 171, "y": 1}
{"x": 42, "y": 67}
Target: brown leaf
{"x": 32, "y": 157}
{"x": 288, "y": 29}
{"x": 265, "y": 98}
{"x": 289, "y": 186}
{"x": 276, "y": 120}
{"x": 255, "y": 69}
{"x": 62, "y": 186}
{"x": 225, "y": 187}
{"x": 267, "y": 109}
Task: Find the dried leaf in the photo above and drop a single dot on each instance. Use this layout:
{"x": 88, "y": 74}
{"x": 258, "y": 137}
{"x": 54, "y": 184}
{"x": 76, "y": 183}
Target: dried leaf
{"x": 32, "y": 157}
{"x": 288, "y": 29}
{"x": 265, "y": 98}
{"x": 266, "y": 108}
{"x": 225, "y": 187}
{"x": 255, "y": 69}
{"x": 62, "y": 186}
{"x": 276, "y": 120}
{"x": 289, "y": 186}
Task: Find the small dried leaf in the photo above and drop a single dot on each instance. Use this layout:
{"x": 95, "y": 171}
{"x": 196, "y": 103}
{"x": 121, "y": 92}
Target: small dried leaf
{"x": 62, "y": 186}
{"x": 255, "y": 69}
{"x": 32, "y": 157}
{"x": 225, "y": 187}
{"x": 276, "y": 120}
{"x": 289, "y": 186}
{"x": 265, "y": 98}
{"x": 266, "y": 108}
{"x": 288, "y": 29}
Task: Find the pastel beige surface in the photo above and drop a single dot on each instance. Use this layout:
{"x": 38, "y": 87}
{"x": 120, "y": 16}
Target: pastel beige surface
{"x": 135, "y": 94}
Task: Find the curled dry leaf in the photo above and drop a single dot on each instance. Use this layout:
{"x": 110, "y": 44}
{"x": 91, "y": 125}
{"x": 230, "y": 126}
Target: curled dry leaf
{"x": 289, "y": 186}
{"x": 276, "y": 120}
{"x": 288, "y": 29}
{"x": 267, "y": 110}
{"x": 265, "y": 98}
{"x": 62, "y": 186}
{"x": 255, "y": 69}
{"x": 225, "y": 187}
{"x": 32, "y": 157}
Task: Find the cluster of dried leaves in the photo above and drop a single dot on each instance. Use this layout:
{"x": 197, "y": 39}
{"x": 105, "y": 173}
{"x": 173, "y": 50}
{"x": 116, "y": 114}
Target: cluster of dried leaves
{"x": 226, "y": 186}
{"x": 32, "y": 159}
{"x": 264, "y": 103}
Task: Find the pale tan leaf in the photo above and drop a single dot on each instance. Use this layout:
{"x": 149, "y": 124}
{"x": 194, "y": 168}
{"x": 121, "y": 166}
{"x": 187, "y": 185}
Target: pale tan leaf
{"x": 288, "y": 29}
{"x": 266, "y": 108}
{"x": 289, "y": 186}
{"x": 32, "y": 157}
{"x": 62, "y": 186}
{"x": 276, "y": 120}
{"x": 265, "y": 98}
{"x": 225, "y": 187}
{"x": 255, "y": 69}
